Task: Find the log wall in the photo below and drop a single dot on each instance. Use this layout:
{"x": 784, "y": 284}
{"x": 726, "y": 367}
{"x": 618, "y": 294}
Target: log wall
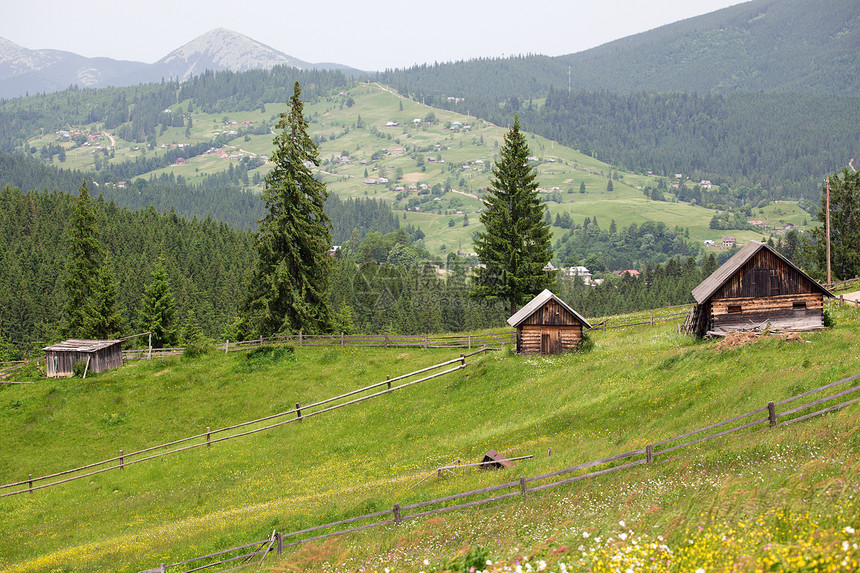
{"x": 547, "y": 339}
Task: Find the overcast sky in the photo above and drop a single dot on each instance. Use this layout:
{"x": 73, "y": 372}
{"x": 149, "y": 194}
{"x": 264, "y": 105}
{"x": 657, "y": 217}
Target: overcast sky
{"x": 368, "y": 35}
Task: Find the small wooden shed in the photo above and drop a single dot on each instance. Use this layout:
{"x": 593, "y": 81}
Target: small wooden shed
{"x": 546, "y": 325}
{"x": 101, "y": 354}
{"x": 757, "y": 288}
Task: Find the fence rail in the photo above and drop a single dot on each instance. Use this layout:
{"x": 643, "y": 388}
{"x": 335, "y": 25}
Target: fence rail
{"x": 206, "y": 439}
{"x": 521, "y": 487}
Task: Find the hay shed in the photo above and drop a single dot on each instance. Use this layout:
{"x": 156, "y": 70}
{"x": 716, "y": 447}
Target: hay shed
{"x": 101, "y": 354}
{"x": 757, "y": 289}
{"x": 546, "y": 325}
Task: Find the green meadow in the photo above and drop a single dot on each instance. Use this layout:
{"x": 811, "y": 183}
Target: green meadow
{"x": 637, "y": 385}
{"x": 453, "y": 151}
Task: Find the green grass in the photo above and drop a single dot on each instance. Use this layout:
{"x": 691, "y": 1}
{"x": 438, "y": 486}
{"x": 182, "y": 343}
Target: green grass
{"x": 637, "y": 386}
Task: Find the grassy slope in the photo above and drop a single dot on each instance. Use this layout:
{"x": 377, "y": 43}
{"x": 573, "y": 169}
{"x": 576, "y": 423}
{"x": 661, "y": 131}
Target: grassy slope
{"x": 639, "y": 385}
{"x": 377, "y": 105}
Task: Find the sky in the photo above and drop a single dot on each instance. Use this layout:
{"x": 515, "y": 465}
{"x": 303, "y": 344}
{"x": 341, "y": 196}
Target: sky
{"x": 369, "y": 35}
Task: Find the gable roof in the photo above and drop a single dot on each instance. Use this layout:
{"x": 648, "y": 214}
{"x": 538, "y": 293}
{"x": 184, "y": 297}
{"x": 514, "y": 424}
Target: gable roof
{"x": 79, "y": 345}
{"x": 536, "y": 303}
{"x": 721, "y": 276}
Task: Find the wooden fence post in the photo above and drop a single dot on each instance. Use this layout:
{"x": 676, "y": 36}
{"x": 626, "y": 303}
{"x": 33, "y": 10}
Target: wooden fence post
{"x": 425, "y": 342}
{"x": 208, "y": 438}
{"x": 649, "y": 454}
{"x": 121, "y": 461}
{"x": 386, "y": 340}
{"x": 341, "y": 339}
{"x": 162, "y": 568}
{"x": 841, "y": 299}
{"x": 485, "y": 350}
{"x": 604, "y": 325}
{"x": 463, "y": 359}
{"x": 261, "y": 340}
{"x": 280, "y": 537}
{"x": 397, "y": 518}
{"x": 651, "y": 318}
{"x": 388, "y": 378}
{"x": 31, "y": 482}
{"x": 298, "y": 412}
{"x": 227, "y": 346}
{"x": 771, "y": 413}
{"x": 300, "y": 337}
{"x": 470, "y": 342}
{"x": 523, "y": 487}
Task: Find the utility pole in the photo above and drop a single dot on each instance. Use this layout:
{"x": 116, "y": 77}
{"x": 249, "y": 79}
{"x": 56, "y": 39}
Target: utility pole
{"x": 827, "y": 219}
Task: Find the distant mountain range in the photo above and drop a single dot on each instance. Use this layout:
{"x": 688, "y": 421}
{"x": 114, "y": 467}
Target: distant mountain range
{"x": 763, "y": 45}
{"x": 797, "y": 46}
{"x": 24, "y": 71}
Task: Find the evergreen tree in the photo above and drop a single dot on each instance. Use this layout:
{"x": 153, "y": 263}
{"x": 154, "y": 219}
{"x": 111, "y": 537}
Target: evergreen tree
{"x": 156, "y": 314}
{"x": 844, "y": 225}
{"x": 288, "y": 287}
{"x": 515, "y": 242}
{"x": 85, "y": 259}
{"x": 104, "y": 317}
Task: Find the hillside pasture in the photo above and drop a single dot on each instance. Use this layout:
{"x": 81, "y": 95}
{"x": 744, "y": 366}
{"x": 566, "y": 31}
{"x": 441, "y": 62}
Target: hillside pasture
{"x": 638, "y": 385}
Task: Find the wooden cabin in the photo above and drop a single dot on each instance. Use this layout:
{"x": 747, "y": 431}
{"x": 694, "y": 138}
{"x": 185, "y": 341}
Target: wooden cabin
{"x": 757, "y": 289}
{"x": 546, "y": 325}
{"x": 101, "y": 354}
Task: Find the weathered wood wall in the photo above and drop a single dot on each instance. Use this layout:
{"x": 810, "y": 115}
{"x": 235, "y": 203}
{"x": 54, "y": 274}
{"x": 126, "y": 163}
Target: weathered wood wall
{"x": 765, "y": 274}
{"x": 551, "y": 314}
{"x": 62, "y": 363}
{"x": 783, "y": 312}
{"x": 530, "y": 338}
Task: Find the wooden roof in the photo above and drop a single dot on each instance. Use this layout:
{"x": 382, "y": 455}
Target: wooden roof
{"x": 536, "y": 303}
{"x": 79, "y": 345}
{"x": 719, "y": 277}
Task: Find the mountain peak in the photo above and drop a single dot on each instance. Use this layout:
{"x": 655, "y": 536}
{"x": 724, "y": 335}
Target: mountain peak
{"x": 223, "y": 49}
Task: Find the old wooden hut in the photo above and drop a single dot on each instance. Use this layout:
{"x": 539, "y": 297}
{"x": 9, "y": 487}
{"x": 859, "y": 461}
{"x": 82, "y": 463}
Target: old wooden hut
{"x": 101, "y": 354}
{"x": 757, "y": 289}
{"x": 546, "y": 325}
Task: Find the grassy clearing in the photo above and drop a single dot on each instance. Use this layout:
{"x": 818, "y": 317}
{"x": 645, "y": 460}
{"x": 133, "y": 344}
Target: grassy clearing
{"x": 637, "y": 386}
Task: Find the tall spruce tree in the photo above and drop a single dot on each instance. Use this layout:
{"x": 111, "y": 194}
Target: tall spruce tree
{"x": 287, "y": 290}
{"x": 104, "y": 316}
{"x": 844, "y": 225}
{"x": 156, "y": 313}
{"x": 515, "y": 243}
{"x": 85, "y": 259}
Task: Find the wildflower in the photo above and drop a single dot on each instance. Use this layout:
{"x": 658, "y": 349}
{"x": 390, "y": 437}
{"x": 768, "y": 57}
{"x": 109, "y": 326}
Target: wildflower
{"x": 426, "y": 562}
{"x": 845, "y": 546}
{"x": 585, "y": 534}
{"x": 700, "y": 570}
{"x": 621, "y": 523}
{"x": 622, "y": 536}
{"x": 489, "y": 562}
{"x": 849, "y": 530}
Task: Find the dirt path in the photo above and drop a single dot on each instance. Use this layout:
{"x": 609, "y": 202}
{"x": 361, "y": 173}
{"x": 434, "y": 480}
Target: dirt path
{"x": 854, "y": 296}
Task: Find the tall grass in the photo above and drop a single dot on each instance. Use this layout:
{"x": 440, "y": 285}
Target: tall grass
{"x": 637, "y": 386}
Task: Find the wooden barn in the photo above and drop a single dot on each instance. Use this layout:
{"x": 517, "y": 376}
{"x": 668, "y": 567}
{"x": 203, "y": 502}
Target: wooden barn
{"x": 546, "y": 325}
{"x": 101, "y": 355}
{"x": 756, "y": 289}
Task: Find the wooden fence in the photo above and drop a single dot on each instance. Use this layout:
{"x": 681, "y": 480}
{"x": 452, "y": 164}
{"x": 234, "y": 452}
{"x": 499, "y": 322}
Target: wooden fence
{"x": 214, "y": 436}
{"x": 468, "y": 341}
{"x": 766, "y": 416}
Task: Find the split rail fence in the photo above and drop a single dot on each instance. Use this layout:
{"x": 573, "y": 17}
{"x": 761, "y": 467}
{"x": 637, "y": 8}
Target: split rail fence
{"x": 766, "y": 417}
{"x": 300, "y": 412}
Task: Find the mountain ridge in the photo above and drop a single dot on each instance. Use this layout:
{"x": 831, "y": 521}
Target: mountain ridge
{"x": 24, "y": 71}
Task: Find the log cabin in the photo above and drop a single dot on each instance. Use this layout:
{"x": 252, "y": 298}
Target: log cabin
{"x": 755, "y": 290}
{"x": 546, "y": 325}
{"x": 101, "y": 355}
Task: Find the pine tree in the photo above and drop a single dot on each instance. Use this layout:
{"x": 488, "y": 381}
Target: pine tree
{"x": 85, "y": 259}
{"x": 287, "y": 291}
{"x": 104, "y": 317}
{"x": 515, "y": 242}
{"x": 156, "y": 314}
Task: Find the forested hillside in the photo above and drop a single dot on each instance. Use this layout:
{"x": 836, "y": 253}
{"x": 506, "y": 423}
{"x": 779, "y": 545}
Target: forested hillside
{"x": 205, "y": 263}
